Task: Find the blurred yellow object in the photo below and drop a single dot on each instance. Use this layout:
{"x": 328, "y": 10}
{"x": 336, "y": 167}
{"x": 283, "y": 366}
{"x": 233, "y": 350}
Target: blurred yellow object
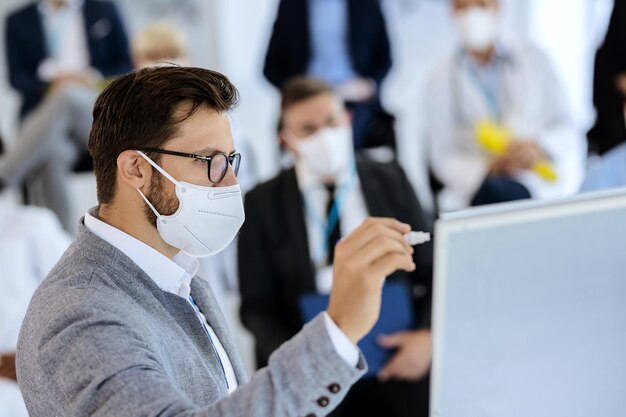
{"x": 495, "y": 139}
{"x": 102, "y": 84}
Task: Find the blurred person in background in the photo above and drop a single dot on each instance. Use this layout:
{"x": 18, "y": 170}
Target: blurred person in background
{"x": 159, "y": 43}
{"x": 58, "y": 54}
{"x": 295, "y": 219}
{"x": 343, "y": 42}
{"x": 608, "y": 171}
{"x": 498, "y": 126}
{"x": 32, "y": 242}
{"x": 609, "y": 86}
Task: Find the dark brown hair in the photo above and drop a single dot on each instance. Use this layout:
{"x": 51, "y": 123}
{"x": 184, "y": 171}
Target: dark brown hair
{"x": 299, "y": 89}
{"x": 143, "y": 109}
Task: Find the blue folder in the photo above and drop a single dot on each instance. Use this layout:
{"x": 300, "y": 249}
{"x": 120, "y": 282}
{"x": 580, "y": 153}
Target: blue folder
{"x": 396, "y": 314}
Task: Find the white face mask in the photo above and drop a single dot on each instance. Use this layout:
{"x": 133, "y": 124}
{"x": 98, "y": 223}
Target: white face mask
{"x": 328, "y": 152}
{"x": 478, "y": 27}
{"x": 207, "y": 219}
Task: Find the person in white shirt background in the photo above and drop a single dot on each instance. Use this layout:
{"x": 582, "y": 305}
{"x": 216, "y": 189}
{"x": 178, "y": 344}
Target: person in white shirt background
{"x": 33, "y": 239}
{"x": 510, "y": 85}
{"x": 32, "y": 242}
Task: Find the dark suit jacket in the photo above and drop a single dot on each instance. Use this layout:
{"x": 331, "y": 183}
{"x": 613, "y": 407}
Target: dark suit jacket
{"x": 609, "y": 129}
{"x": 275, "y": 267}
{"x": 26, "y": 47}
{"x": 289, "y": 51}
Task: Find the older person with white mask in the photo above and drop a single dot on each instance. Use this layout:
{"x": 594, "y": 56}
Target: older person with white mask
{"x": 512, "y": 89}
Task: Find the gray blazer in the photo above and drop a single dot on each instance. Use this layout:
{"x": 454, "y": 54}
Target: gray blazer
{"x": 101, "y": 339}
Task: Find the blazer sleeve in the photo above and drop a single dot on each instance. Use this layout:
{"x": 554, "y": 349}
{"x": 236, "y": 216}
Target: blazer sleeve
{"x": 94, "y": 364}
{"x": 260, "y": 304}
{"x": 22, "y": 76}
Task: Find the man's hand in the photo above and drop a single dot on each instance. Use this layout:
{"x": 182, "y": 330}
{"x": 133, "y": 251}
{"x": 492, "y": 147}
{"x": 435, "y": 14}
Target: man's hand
{"x": 357, "y": 90}
{"x": 620, "y": 83}
{"x": 86, "y": 79}
{"x": 520, "y": 156}
{"x": 7, "y": 366}
{"x": 363, "y": 259}
{"x": 413, "y": 358}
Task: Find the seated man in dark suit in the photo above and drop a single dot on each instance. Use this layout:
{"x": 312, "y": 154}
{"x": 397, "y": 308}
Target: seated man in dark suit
{"x": 58, "y": 52}
{"x": 343, "y": 42}
{"x": 294, "y": 220}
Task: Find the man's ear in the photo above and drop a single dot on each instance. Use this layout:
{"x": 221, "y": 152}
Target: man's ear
{"x": 133, "y": 170}
{"x": 349, "y": 114}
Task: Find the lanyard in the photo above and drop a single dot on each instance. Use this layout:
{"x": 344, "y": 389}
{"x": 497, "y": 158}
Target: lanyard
{"x": 327, "y": 225}
{"x": 491, "y": 97}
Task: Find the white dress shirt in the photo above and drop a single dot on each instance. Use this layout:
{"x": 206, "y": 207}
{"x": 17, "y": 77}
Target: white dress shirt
{"x": 31, "y": 244}
{"x": 352, "y": 212}
{"x": 175, "y": 275}
{"x": 66, "y": 40}
{"x": 330, "y": 54}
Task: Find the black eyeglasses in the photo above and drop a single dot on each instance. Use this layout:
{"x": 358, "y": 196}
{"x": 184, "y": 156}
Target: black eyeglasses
{"x": 217, "y": 163}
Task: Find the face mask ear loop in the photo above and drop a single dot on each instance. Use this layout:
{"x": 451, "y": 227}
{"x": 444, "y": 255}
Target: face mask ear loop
{"x": 158, "y": 168}
{"x": 156, "y": 213}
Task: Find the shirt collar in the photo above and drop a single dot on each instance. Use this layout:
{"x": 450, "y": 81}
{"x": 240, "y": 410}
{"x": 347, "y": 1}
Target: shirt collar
{"x": 171, "y": 275}
{"x": 501, "y": 54}
{"x": 72, "y": 5}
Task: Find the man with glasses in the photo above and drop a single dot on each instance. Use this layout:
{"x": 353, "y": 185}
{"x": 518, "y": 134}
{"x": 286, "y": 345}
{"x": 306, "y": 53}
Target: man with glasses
{"x": 295, "y": 220}
{"x": 121, "y": 327}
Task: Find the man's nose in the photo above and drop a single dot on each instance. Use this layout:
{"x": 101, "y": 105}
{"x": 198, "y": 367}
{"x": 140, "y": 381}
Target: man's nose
{"x": 229, "y": 179}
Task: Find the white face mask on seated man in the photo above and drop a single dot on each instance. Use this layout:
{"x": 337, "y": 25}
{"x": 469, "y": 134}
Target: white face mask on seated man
{"x": 328, "y": 152}
{"x": 478, "y": 27}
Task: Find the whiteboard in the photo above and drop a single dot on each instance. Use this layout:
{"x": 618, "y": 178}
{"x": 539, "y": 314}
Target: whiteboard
{"x": 529, "y": 314}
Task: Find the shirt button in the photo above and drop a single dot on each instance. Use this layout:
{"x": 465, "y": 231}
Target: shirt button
{"x": 334, "y": 388}
{"x": 323, "y": 401}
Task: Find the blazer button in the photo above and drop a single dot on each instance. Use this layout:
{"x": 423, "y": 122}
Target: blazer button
{"x": 334, "y": 388}
{"x": 420, "y": 291}
{"x": 323, "y": 401}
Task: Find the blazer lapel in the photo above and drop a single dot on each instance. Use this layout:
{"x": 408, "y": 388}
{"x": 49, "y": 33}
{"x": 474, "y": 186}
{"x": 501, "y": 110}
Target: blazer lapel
{"x": 38, "y": 45}
{"x": 97, "y": 27}
{"x": 206, "y": 301}
{"x": 373, "y": 191}
{"x": 297, "y": 249}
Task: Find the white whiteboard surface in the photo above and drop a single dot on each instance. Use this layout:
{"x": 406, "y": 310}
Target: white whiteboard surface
{"x": 530, "y": 310}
